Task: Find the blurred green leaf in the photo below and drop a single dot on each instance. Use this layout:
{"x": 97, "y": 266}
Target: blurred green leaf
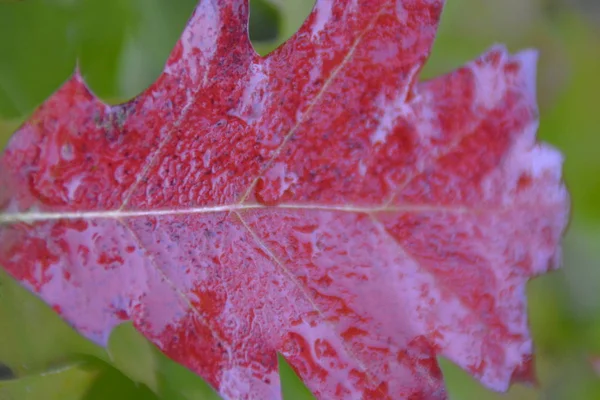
{"x": 37, "y": 52}
{"x": 293, "y": 15}
{"x": 290, "y": 16}
{"x": 141, "y": 361}
{"x": 32, "y": 336}
{"x": 291, "y": 385}
{"x": 145, "y": 51}
{"x": 464, "y": 35}
{"x": 133, "y": 355}
{"x": 100, "y": 28}
{"x": 6, "y": 129}
{"x": 462, "y": 386}
{"x": 265, "y": 21}
{"x": 574, "y": 123}
{"x": 42, "y": 39}
{"x": 177, "y": 382}
{"x": 113, "y": 384}
{"x": 69, "y": 382}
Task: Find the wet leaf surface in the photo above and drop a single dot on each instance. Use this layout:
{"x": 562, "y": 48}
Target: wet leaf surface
{"x": 318, "y": 202}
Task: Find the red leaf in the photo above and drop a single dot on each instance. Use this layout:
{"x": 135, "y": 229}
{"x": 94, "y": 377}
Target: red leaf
{"x": 317, "y": 202}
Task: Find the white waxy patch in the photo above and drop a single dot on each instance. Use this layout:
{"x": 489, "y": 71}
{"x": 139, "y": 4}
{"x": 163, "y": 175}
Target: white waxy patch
{"x": 428, "y": 124}
{"x": 253, "y": 100}
{"x": 67, "y": 152}
{"x": 546, "y": 159}
{"x": 386, "y": 121}
{"x": 72, "y": 186}
{"x": 389, "y": 112}
{"x": 239, "y": 380}
{"x": 527, "y": 159}
{"x": 278, "y": 172}
{"x": 528, "y": 60}
{"x": 490, "y": 86}
{"x": 206, "y": 158}
{"x": 399, "y": 106}
{"x": 323, "y": 11}
{"x": 401, "y": 12}
{"x": 12, "y": 207}
{"x": 323, "y": 332}
{"x": 362, "y": 168}
{"x": 201, "y": 33}
{"x": 316, "y": 72}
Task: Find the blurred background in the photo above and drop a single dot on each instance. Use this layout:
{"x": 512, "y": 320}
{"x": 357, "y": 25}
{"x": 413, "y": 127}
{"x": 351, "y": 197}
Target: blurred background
{"x": 121, "y": 46}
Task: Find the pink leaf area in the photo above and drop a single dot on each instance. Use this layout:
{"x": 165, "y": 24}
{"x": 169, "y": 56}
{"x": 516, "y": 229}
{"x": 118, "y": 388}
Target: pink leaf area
{"x": 319, "y": 202}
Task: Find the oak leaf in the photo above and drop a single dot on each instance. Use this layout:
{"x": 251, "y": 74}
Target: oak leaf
{"x": 318, "y": 202}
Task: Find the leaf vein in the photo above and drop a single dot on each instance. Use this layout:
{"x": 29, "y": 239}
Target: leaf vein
{"x": 288, "y": 274}
{"x": 171, "y": 284}
{"x": 313, "y": 103}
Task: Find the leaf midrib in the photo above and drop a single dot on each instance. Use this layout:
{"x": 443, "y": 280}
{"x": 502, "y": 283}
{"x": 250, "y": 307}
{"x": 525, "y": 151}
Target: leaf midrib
{"x": 32, "y": 217}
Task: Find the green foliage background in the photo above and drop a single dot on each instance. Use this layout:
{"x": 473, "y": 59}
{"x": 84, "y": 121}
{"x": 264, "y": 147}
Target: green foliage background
{"x": 121, "y": 46}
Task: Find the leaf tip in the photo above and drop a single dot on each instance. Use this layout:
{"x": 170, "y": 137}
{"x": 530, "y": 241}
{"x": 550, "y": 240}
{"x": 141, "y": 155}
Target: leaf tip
{"x": 528, "y": 59}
